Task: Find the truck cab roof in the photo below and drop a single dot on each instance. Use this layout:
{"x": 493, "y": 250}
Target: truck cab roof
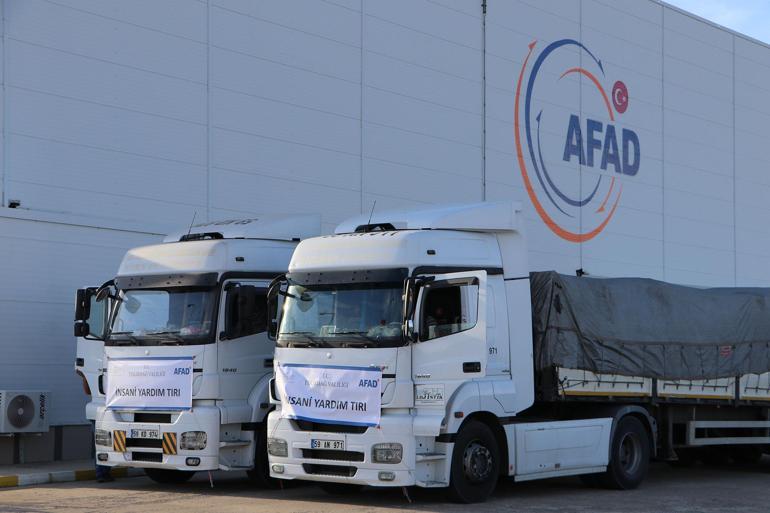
{"x": 474, "y": 235}
{"x": 259, "y": 244}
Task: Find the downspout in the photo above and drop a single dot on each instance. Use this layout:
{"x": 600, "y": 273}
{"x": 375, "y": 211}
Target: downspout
{"x": 483, "y": 100}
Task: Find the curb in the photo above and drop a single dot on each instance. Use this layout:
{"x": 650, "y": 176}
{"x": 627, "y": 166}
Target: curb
{"x": 63, "y": 476}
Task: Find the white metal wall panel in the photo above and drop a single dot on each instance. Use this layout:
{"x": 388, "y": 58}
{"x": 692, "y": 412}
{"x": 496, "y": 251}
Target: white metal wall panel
{"x": 43, "y": 264}
{"x": 752, "y": 161}
{"x": 421, "y": 103}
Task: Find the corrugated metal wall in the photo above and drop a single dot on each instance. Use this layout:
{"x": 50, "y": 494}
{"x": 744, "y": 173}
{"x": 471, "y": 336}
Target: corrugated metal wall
{"x": 122, "y": 119}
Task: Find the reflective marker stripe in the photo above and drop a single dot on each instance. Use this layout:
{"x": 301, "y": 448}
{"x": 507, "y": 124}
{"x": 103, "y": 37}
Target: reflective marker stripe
{"x": 119, "y": 440}
{"x": 169, "y": 443}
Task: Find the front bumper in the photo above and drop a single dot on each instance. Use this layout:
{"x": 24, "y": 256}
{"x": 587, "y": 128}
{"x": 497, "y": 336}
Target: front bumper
{"x": 357, "y": 466}
{"x": 165, "y": 453}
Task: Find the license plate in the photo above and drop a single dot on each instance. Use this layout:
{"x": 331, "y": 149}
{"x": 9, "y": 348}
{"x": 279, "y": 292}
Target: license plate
{"x": 144, "y": 432}
{"x": 336, "y": 445}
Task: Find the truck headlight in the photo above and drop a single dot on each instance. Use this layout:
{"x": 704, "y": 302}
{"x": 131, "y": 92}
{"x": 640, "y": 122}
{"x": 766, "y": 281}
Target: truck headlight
{"x": 103, "y": 437}
{"x": 193, "y": 440}
{"x": 277, "y": 447}
{"x": 387, "y": 453}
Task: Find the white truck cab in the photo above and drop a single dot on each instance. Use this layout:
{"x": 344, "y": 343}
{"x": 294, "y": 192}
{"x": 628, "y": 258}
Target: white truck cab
{"x": 438, "y": 302}
{"x": 199, "y": 299}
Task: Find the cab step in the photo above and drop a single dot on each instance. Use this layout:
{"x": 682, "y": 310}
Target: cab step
{"x": 234, "y": 443}
{"x": 234, "y": 467}
{"x": 432, "y": 484}
{"x": 430, "y": 456}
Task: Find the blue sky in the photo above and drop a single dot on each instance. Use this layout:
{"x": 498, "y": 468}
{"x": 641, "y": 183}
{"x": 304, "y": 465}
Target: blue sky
{"x": 751, "y": 17}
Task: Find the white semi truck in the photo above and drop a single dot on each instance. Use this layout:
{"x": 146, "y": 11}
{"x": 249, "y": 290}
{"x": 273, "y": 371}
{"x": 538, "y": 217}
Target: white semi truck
{"x": 405, "y": 356}
{"x": 181, "y": 385}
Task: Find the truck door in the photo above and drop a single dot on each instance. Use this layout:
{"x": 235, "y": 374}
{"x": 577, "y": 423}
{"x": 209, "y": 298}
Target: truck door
{"x": 90, "y": 328}
{"x": 244, "y": 351}
{"x": 450, "y": 321}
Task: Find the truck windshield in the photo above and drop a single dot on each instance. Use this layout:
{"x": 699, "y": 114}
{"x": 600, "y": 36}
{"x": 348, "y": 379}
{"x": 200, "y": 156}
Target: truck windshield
{"x": 342, "y": 316}
{"x": 168, "y": 316}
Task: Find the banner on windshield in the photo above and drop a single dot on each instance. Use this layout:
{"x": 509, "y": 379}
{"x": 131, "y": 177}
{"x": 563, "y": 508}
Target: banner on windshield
{"x": 329, "y": 394}
{"x": 150, "y": 383}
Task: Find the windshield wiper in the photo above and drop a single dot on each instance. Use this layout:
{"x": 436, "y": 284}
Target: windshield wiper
{"x": 176, "y": 339}
{"x": 310, "y": 340}
{"x": 128, "y": 334}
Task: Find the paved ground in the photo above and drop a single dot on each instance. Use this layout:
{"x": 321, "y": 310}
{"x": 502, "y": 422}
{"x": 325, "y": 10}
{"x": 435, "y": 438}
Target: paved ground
{"x": 700, "y": 489}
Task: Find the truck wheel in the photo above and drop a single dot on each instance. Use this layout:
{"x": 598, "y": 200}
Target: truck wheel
{"x": 629, "y": 455}
{"x": 167, "y": 476}
{"x": 340, "y": 488}
{"x": 475, "y": 464}
{"x": 260, "y": 474}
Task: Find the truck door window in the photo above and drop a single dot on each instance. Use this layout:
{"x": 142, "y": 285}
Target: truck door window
{"x": 249, "y": 318}
{"x": 448, "y": 307}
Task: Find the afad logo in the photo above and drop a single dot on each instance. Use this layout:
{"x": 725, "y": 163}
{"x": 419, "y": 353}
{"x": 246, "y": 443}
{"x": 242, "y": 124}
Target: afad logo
{"x": 601, "y": 144}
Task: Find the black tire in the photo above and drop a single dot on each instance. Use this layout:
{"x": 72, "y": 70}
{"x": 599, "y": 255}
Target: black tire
{"x": 629, "y": 455}
{"x": 475, "y": 466}
{"x": 166, "y": 476}
{"x": 340, "y": 488}
{"x": 260, "y": 474}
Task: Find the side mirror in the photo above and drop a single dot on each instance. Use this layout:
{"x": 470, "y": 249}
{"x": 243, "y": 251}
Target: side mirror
{"x": 244, "y": 311}
{"x": 102, "y": 294}
{"x": 409, "y": 330}
{"x": 92, "y": 309}
{"x": 83, "y": 304}
{"x": 410, "y": 297}
{"x": 273, "y": 307}
{"x": 82, "y": 329}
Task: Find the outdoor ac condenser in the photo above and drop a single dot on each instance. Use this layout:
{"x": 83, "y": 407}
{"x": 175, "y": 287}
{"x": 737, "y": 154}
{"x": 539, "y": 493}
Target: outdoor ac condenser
{"x": 23, "y": 411}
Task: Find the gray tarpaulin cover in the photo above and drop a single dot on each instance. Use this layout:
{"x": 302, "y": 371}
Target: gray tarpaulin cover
{"x": 642, "y": 327}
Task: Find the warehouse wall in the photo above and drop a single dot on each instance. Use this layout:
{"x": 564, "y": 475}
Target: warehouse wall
{"x": 122, "y": 120}
{"x": 694, "y": 213}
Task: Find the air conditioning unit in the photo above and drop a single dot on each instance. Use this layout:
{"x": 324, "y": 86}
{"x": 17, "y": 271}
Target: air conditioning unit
{"x": 23, "y": 411}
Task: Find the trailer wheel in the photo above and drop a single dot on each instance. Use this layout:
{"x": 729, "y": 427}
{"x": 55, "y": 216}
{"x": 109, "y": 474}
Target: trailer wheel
{"x": 260, "y": 474}
{"x": 475, "y": 464}
{"x": 340, "y": 488}
{"x": 629, "y": 455}
{"x": 168, "y": 476}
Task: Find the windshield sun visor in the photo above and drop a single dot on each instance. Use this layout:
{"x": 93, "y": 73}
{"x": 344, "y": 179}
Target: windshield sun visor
{"x": 376, "y": 276}
{"x": 155, "y": 281}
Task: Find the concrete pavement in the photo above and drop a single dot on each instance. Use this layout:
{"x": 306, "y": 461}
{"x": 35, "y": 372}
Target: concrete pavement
{"x": 54, "y": 472}
{"x": 730, "y": 489}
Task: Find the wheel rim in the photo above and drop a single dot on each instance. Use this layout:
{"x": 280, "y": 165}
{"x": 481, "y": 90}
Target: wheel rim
{"x": 630, "y": 453}
{"x": 477, "y": 462}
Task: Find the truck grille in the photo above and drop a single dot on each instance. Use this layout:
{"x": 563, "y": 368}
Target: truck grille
{"x": 159, "y": 418}
{"x": 305, "y": 425}
{"x": 148, "y": 443}
{"x": 326, "y": 454}
{"x": 154, "y": 457}
{"x": 329, "y": 470}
